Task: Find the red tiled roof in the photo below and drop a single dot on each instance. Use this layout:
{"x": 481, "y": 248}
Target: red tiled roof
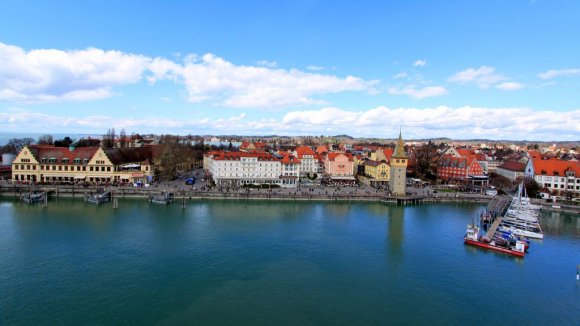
{"x": 513, "y": 166}
{"x": 333, "y": 156}
{"x": 304, "y": 150}
{"x": 555, "y": 167}
{"x": 51, "y": 152}
{"x": 236, "y": 156}
{"x": 290, "y": 159}
{"x": 321, "y": 149}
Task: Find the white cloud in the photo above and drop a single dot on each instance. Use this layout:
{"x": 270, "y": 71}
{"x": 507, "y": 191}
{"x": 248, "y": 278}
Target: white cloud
{"x": 420, "y": 63}
{"x": 81, "y": 75}
{"x": 215, "y": 79}
{"x": 48, "y": 75}
{"x": 383, "y": 122}
{"x": 402, "y": 74}
{"x": 509, "y": 86}
{"x": 557, "y": 73}
{"x": 267, "y": 64}
{"x": 315, "y": 68}
{"x": 484, "y": 77}
{"x": 420, "y": 93}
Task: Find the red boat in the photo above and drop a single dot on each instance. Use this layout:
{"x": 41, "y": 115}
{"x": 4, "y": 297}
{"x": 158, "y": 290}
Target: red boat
{"x": 472, "y": 238}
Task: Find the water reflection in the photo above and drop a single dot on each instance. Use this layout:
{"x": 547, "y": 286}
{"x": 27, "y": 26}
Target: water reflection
{"x": 395, "y": 232}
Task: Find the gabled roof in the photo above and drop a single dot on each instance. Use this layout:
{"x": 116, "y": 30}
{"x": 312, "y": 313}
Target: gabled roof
{"x": 290, "y": 159}
{"x": 374, "y": 163}
{"x": 304, "y": 150}
{"x": 321, "y": 149}
{"x": 334, "y": 155}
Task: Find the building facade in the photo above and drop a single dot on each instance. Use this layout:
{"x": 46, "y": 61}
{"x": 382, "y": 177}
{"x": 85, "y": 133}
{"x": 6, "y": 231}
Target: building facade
{"x": 398, "y": 169}
{"x": 339, "y": 165}
{"x": 47, "y": 164}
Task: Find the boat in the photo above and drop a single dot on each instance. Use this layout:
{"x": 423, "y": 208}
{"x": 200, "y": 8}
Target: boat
{"x": 32, "y": 197}
{"x": 473, "y": 238}
{"x": 101, "y": 196}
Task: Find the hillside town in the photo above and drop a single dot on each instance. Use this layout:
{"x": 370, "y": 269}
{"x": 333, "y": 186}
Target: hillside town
{"x": 284, "y": 162}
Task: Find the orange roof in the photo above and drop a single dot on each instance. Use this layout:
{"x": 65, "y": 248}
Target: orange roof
{"x": 304, "y": 150}
{"x": 465, "y": 151}
{"x": 321, "y": 149}
{"x": 535, "y": 155}
{"x": 332, "y": 156}
{"x": 555, "y": 167}
{"x": 59, "y": 153}
{"x": 290, "y": 159}
{"x": 388, "y": 153}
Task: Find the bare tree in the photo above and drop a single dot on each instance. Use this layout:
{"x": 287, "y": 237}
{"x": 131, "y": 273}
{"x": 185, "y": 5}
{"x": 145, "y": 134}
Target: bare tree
{"x": 122, "y": 138}
{"x": 45, "y": 140}
{"x": 426, "y": 159}
{"x": 14, "y": 145}
{"x": 109, "y": 139}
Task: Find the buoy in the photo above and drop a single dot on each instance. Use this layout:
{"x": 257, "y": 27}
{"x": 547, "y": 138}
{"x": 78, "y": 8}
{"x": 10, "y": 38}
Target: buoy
{"x": 577, "y": 272}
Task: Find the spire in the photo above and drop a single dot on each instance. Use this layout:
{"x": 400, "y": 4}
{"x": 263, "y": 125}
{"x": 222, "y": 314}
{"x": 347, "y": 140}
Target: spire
{"x": 400, "y": 148}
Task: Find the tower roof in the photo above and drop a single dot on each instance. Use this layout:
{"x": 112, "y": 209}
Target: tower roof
{"x": 400, "y": 148}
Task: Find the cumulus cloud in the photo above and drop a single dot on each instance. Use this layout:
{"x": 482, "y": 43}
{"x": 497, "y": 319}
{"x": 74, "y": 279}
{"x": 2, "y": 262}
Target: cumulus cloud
{"x": 55, "y": 75}
{"x": 216, "y": 79}
{"x": 509, "y": 86}
{"x": 420, "y": 63}
{"x": 557, "y": 73}
{"x": 443, "y": 121}
{"x": 267, "y": 63}
{"x": 90, "y": 74}
{"x": 418, "y": 93}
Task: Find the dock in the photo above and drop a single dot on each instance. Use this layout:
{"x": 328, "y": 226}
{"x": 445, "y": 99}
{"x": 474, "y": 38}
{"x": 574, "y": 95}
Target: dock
{"x": 493, "y": 227}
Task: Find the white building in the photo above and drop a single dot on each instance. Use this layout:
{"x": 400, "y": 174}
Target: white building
{"x": 308, "y": 160}
{"x": 243, "y": 168}
{"x": 555, "y": 175}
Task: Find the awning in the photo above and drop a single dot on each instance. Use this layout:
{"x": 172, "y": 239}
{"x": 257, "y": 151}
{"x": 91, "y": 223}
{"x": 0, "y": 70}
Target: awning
{"x": 131, "y": 165}
{"x": 137, "y": 175}
{"x": 78, "y": 176}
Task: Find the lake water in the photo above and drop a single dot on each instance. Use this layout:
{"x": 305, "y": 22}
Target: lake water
{"x": 259, "y": 263}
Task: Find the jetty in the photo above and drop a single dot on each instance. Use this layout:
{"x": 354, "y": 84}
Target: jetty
{"x": 101, "y": 196}
{"x": 164, "y": 198}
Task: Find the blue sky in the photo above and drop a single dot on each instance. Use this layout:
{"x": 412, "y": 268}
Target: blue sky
{"x": 505, "y": 69}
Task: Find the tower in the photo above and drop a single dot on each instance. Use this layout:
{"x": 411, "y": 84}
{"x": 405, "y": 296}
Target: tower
{"x": 399, "y": 169}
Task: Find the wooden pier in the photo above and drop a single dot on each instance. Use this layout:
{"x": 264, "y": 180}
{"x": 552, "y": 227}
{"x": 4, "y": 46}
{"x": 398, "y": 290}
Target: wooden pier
{"x": 493, "y": 227}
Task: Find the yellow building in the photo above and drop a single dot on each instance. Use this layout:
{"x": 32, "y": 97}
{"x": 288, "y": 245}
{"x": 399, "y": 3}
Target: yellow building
{"x": 378, "y": 172}
{"x": 47, "y": 163}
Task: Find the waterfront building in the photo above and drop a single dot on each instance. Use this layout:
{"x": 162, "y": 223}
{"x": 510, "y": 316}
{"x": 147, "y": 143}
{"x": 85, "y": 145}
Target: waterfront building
{"x": 308, "y": 160}
{"x": 338, "y": 165}
{"x": 240, "y": 168}
{"x": 555, "y": 175}
{"x": 398, "y": 169}
{"x": 47, "y": 163}
{"x": 451, "y": 168}
{"x": 511, "y": 170}
{"x": 379, "y": 172}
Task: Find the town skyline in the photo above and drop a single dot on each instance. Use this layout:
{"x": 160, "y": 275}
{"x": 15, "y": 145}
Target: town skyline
{"x": 480, "y": 70}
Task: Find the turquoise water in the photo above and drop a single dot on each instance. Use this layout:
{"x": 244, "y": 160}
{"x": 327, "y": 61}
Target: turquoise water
{"x": 248, "y": 263}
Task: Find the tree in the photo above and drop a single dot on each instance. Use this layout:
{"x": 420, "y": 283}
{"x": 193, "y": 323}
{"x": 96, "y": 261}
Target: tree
{"x": 123, "y": 138}
{"x": 14, "y": 145}
{"x": 532, "y": 187}
{"x": 65, "y": 142}
{"x": 45, "y": 140}
{"x": 426, "y": 159}
{"x": 109, "y": 139}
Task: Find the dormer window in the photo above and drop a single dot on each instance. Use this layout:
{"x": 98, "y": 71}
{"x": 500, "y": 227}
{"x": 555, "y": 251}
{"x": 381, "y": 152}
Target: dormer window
{"x": 64, "y": 160}
{"x": 556, "y": 173}
{"x": 543, "y": 172}
{"x": 77, "y": 161}
{"x": 52, "y": 160}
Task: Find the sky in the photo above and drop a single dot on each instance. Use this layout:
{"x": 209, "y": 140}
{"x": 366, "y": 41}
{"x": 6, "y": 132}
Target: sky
{"x": 505, "y": 69}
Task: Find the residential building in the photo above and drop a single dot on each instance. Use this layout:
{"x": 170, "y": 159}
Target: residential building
{"x": 308, "y": 160}
{"x": 379, "y": 172}
{"x": 511, "y": 170}
{"x": 452, "y": 168}
{"x": 339, "y": 165}
{"x": 555, "y": 175}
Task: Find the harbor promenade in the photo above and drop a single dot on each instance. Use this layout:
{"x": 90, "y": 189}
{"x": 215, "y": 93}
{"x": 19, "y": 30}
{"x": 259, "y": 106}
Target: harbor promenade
{"x": 183, "y": 192}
